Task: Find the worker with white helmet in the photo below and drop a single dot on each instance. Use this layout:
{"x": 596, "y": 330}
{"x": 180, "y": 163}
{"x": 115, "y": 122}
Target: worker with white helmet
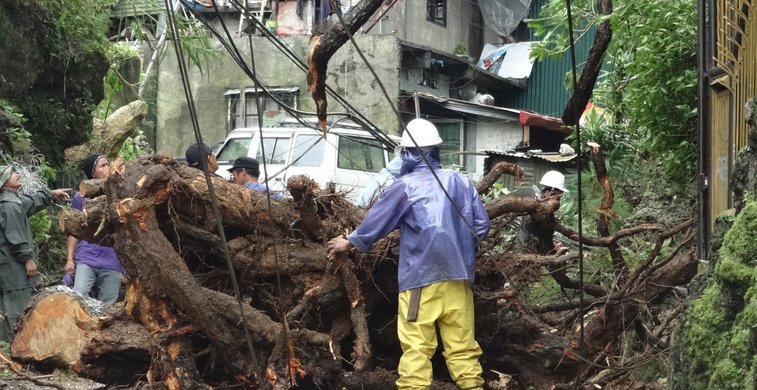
{"x": 554, "y": 182}
{"x": 537, "y": 237}
{"x": 439, "y": 235}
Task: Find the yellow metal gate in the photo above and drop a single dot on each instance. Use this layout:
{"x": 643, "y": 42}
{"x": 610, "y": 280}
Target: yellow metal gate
{"x": 735, "y": 54}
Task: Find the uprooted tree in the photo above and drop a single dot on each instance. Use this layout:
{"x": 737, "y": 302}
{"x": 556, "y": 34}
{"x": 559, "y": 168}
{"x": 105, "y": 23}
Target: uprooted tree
{"x": 304, "y": 320}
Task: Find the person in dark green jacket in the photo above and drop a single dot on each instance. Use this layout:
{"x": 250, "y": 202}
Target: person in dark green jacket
{"x": 18, "y": 271}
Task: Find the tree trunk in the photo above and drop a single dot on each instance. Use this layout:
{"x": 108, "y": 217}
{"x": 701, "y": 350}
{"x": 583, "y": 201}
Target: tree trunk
{"x": 585, "y": 84}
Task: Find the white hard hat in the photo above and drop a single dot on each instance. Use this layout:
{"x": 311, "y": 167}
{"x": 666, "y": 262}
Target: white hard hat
{"x": 424, "y": 133}
{"x": 554, "y": 179}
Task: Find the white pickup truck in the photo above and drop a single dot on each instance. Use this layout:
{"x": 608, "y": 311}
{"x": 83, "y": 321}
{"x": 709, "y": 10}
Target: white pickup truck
{"x": 349, "y": 156}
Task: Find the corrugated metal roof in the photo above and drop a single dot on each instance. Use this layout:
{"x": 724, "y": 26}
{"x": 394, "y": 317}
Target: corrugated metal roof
{"x": 546, "y": 92}
{"x": 478, "y": 75}
{"x": 551, "y": 157}
{"x": 473, "y": 108}
{"x": 126, "y": 8}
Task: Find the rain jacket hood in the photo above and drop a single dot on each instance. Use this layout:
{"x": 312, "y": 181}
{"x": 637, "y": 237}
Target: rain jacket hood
{"x": 412, "y": 158}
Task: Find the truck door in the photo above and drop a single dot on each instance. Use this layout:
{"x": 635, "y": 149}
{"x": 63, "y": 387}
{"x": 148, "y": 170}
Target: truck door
{"x": 277, "y": 150}
{"x": 358, "y": 161}
{"x": 308, "y": 158}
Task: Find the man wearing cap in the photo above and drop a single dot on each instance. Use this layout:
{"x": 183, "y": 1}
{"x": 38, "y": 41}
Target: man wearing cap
{"x": 18, "y": 271}
{"x": 197, "y": 152}
{"x": 95, "y": 266}
{"x": 536, "y": 237}
{"x": 246, "y": 171}
{"x": 439, "y": 235}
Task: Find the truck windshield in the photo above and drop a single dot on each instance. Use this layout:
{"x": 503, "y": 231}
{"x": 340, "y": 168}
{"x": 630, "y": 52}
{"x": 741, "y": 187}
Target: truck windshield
{"x": 236, "y": 147}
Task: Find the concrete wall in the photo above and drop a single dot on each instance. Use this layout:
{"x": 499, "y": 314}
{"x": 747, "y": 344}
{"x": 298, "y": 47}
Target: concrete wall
{"x": 490, "y": 134}
{"x": 347, "y": 75}
{"x": 444, "y": 38}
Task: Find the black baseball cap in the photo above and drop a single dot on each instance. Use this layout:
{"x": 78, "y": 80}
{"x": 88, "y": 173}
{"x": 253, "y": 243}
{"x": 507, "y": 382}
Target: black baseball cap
{"x": 195, "y": 153}
{"x": 246, "y": 163}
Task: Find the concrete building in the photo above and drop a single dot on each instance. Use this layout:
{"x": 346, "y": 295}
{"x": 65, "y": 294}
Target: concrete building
{"x": 424, "y": 53}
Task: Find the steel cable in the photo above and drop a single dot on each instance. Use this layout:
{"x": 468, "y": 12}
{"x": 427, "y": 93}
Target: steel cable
{"x": 204, "y": 165}
{"x": 581, "y": 302}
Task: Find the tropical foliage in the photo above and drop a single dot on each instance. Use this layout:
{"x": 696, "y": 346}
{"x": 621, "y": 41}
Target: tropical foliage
{"x": 648, "y": 83}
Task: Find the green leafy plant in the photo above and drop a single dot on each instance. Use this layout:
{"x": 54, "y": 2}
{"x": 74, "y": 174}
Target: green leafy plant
{"x": 497, "y": 190}
{"x": 461, "y": 49}
{"x": 80, "y": 27}
{"x": 648, "y": 85}
{"x": 113, "y": 81}
{"x": 552, "y": 26}
{"x": 134, "y": 146}
{"x": 19, "y": 138}
{"x": 195, "y": 42}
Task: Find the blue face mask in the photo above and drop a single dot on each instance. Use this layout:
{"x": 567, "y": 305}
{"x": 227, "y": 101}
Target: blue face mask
{"x": 412, "y": 157}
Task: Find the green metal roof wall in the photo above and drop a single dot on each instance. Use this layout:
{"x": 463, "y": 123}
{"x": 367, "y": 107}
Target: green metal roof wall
{"x": 137, "y": 8}
{"x": 546, "y": 93}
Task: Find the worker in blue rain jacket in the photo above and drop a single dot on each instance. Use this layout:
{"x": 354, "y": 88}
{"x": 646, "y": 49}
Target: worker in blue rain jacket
{"x": 438, "y": 242}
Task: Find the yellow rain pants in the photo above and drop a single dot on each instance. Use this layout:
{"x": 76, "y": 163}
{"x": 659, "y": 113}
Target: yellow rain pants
{"x": 448, "y": 304}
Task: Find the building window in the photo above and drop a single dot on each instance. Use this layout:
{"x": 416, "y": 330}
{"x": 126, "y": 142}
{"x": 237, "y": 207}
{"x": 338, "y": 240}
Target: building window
{"x": 430, "y": 77}
{"x": 436, "y": 11}
{"x": 232, "y": 110}
{"x": 242, "y": 110}
{"x": 451, "y": 149}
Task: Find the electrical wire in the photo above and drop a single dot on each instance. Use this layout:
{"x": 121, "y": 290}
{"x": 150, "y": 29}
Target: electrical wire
{"x": 459, "y": 212}
{"x": 581, "y": 302}
{"x": 259, "y": 102}
{"x": 204, "y": 165}
{"x": 231, "y": 48}
{"x": 236, "y": 56}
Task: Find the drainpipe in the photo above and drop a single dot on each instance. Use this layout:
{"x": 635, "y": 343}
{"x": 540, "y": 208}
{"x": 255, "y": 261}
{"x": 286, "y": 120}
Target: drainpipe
{"x": 155, "y": 53}
{"x": 158, "y": 47}
{"x": 704, "y": 126}
{"x": 417, "y": 104}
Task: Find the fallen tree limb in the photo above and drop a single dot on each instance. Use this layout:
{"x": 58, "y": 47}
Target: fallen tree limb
{"x": 604, "y": 213}
{"x": 484, "y": 185}
{"x": 605, "y": 241}
{"x": 323, "y": 46}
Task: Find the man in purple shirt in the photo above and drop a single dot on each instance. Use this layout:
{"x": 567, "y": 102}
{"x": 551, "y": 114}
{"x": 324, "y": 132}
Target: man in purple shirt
{"x": 96, "y": 266}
